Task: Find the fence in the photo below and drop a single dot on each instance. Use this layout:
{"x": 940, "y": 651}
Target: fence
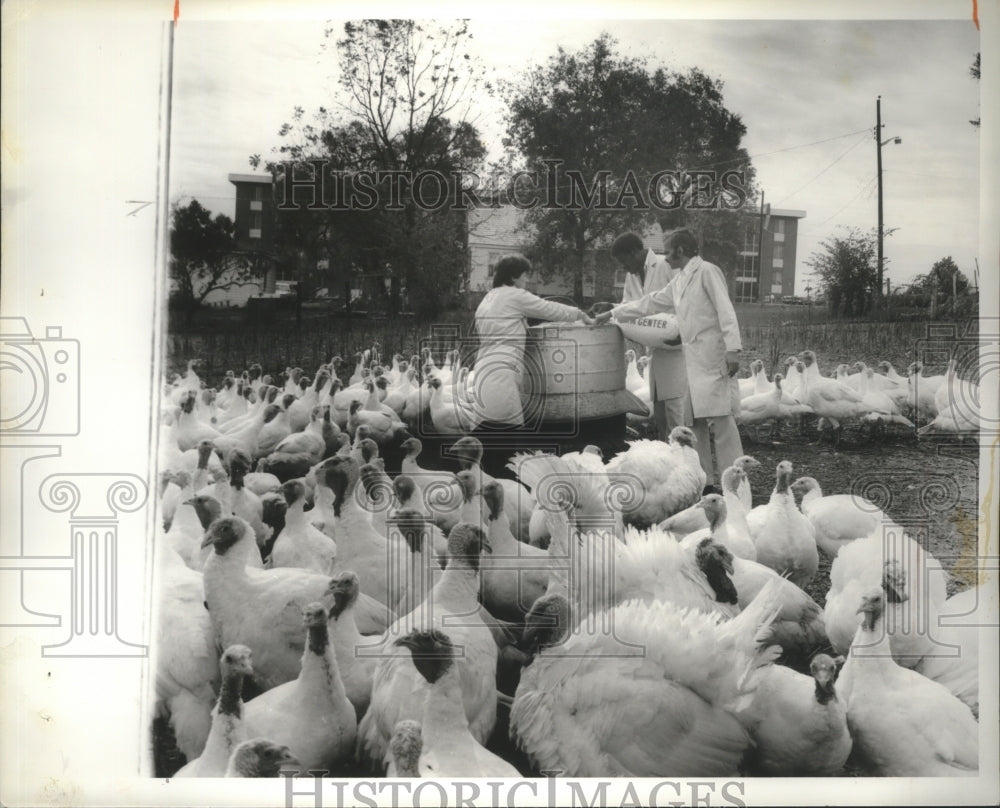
{"x": 307, "y": 346}
{"x": 314, "y": 343}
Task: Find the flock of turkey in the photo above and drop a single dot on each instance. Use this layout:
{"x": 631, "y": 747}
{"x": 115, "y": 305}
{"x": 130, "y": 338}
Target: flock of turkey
{"x": 945, "y": 404}
{"x": 318, "y": 611}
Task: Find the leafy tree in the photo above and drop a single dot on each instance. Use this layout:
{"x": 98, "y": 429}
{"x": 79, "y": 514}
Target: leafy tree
{"x": 407, "y": 91}
{"x": 604, "y": 115}
{"x": 846, "y": 268}
{"x": 939, "y": 278}
{"x": 204, "y": 256}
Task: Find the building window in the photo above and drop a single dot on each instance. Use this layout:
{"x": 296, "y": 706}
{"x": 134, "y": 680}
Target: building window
{"x": 778, "y": 252}
{"x": 776, "y": 279}
{"x": 255, "y": 222}
{"x": 255, "y": 205}
{"x": 258, "y": 193}
{"x": 491, "y": 266}
{"x": 779, "y": 226}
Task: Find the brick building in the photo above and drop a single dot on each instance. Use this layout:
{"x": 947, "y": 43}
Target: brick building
{"x": 768, "y": 275}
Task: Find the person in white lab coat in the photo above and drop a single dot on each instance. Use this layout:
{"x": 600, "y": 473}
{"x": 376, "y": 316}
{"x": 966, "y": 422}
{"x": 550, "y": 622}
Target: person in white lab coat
{"x": 711, "y": 336}
{"x": 648, "y": 272}
{"x": 502, "y": 329}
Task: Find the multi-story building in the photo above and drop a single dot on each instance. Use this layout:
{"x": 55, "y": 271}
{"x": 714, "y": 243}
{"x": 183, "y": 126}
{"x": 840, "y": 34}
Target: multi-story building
{"x": 254, "y": 211}
{"x": 767, "y": 272}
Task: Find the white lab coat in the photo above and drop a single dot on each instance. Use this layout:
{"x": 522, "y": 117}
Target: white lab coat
{"x": 502, "y": 328}
{"x": 666, "y": 373}
{"x": 708, "y": 326}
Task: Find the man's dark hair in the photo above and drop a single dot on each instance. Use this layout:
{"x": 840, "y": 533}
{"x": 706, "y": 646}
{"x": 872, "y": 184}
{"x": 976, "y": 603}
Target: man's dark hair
{"x": 625, "y": 244}
{"x": 509, "y": 268}
{"x": 683, "y": 239}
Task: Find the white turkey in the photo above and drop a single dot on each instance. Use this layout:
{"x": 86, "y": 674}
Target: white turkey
{"x": 586, "y": 707}
{"x": 838, "y": 519}
{"x": 228, "y": 729}
{"x": 396, "y": 679}
{"x": 784, "y": 537}
{"x": 798, "y": 723}
{"x": 260, "y": 757}
{"x": 665, "y": 477}
{"x": 449, "y": 749}
{"x": 859, "y": 567}
{"x": 903, "y": 724}
{"x": 263, "y": 608}
{"x": 311, "y": 715}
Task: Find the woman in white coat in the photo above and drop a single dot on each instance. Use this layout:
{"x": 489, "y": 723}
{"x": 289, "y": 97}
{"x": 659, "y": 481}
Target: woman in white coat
{"x": 502, "y": 329}
{"x": 711, "y": 337}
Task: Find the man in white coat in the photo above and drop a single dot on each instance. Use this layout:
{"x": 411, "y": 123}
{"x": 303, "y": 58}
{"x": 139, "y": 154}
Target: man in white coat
{"x": 711, "y": 336}
{"x": 648, "y": 272}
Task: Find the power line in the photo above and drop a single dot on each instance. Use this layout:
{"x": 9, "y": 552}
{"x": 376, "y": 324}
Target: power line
{"x": 821, "y": 173}
{"x": 868, "y": 186}
{"x": 564, "y": 185}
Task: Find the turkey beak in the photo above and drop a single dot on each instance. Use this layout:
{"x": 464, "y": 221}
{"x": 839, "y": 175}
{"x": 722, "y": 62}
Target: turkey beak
{"x": 208, "y": 541}
{"x": 486, "y": 545}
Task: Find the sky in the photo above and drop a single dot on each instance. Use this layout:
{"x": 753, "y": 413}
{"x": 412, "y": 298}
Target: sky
{"x": 793, "y": 83}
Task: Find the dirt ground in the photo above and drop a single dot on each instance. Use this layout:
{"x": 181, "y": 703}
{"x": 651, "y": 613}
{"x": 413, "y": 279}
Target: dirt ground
{"x": 930, "y": 486}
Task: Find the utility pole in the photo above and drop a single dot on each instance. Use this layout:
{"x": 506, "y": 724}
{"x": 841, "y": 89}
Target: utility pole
{"x": 760, "y": 247}
{"x": 878, "y": 142}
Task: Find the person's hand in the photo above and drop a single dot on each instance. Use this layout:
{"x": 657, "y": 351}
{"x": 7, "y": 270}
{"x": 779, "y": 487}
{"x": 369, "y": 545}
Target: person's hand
{"x": 601, "y": 319}
{"x": 585, "y": 318}
{"x": 733, "y": 362}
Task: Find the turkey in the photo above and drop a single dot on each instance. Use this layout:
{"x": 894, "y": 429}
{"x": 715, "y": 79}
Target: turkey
{"x": 396, "y": 679}
{"x": 228, "y": 729}
{"x": 260, "y": 757}
{"x": 903, "y": 724}
{"x": 187, "y": 662}
{"x": 586, "y": 707}
{"x": 514, "y": 575}
{"x": 300, "y": 544}
{"x": 784, "y": 538}
{"x": 773, "y": 406}
{"x": 860, "y": 566}
{"x": 838, "y": 519}
{"x": 518, "y": 503}
{"x": 829, "y": 399}
{"x": 263, "y": 608}
{"x": 884, "y": 408}
{"x": 798, "y": 723}
{"x": 449, "y": 749}
{"x": 669, "y": 476}
{"x": 311, "y": 715}
{"x": 732, "y": 533}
